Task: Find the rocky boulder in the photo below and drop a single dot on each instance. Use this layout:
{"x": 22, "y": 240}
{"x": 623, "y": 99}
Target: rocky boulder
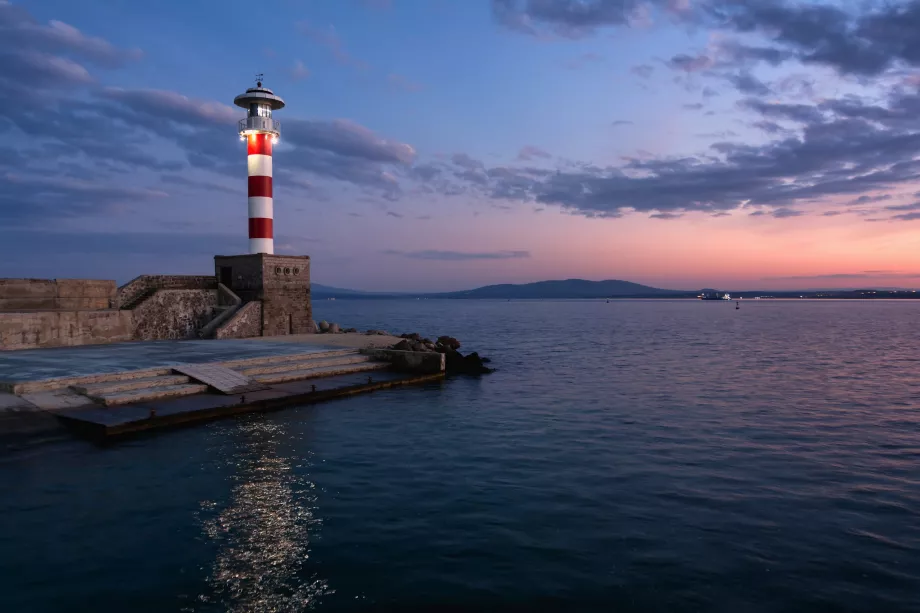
{"x": 471, "y": 364}
{"x": 324, "y": 326}
{"x": 456, "y": 362}
{"x": 448, "y": 343}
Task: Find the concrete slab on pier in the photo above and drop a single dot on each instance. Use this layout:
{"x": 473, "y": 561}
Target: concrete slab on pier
{"x": 34, "y": 364}
{"x": 220, "y": 378}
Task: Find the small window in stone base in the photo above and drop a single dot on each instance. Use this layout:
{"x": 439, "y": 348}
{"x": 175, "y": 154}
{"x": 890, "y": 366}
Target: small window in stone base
{"x": 277, "y": 270}
{"x": 287, "y": 271}
{"x": 296, "y": 271}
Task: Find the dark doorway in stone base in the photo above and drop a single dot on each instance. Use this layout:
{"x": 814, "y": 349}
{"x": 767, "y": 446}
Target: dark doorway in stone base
{"x": 290, "y": 323}
{"x": 226, "y": 276}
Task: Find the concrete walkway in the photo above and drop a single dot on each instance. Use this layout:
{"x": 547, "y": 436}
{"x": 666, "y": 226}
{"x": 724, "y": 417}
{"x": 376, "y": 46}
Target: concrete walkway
{"x": 34, "y": 364}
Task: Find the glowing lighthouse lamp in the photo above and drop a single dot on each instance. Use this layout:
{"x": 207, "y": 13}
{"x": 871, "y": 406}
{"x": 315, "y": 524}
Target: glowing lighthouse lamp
{"x": 260, "y": 131}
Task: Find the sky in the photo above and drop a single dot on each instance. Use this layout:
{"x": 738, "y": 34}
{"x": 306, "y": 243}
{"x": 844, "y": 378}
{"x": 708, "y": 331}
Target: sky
{"x": 437, "y": 145}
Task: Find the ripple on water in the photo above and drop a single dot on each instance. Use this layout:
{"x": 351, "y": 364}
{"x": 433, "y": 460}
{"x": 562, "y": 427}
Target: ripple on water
{"x": 625, "y": 456}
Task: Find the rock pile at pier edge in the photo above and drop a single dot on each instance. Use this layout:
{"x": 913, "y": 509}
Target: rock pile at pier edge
{"x": 456, "y": 362}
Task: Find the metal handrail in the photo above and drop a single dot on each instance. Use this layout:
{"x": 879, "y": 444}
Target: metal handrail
{"x": 244, "y": 123}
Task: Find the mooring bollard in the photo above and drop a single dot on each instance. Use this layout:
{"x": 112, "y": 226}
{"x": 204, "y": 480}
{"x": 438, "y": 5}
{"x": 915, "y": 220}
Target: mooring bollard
{"x": 153, "y": 413}
{"x": 312, "y": 388}
{"x": 243, "y": 399}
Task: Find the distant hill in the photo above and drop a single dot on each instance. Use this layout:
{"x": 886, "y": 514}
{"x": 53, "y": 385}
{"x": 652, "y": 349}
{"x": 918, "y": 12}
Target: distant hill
{"x": 569, "y": 288}
{"x": 327, "y": 291}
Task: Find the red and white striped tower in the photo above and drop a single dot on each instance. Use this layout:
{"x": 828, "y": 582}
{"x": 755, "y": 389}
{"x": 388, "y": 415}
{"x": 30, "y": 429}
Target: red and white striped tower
{"x": 261, "y": 132}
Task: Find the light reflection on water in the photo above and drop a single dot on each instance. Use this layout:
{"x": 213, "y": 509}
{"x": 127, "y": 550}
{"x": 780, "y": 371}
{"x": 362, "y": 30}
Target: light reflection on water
{"x": 264, "y": 532}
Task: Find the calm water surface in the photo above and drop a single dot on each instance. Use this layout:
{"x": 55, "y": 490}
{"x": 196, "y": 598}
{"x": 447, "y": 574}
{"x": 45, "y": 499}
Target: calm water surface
{"x": 631, "y": 456}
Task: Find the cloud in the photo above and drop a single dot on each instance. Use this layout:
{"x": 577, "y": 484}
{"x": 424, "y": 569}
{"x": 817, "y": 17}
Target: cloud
{"x": 39, "y": 201}
{"x": 171, "y": 243}
{"x": 394, "y": 214}
{"x": 907, "y": 217}
{"x": 299, "y": 71}
{"x": 866, "y": 199}
{"x": 695, "y": 106}
{"x": 621, "y": 122}
{"x": 171, "y": 180}
{"x": 690, "y": 63}
{"x": 20, "y": 31}
{"x": 869, "y": 274}
{"x": 329, "y": 39}
{"x": 720, "y": 135}
{"x": 459, "y": 256}
{"x": 834, "y": 152}
{"x": 529, "y": 152}
{"x": 746, "y": 83}
{"x": 402, "y": 83}
{"x": 800, "y": 113}
{"x": 862, "y": 39}
{"x": 575, "y": 18}
{"x": 173, "y": 107}
{"x": 584, "y": 59}
{"x": 643, "y": 71}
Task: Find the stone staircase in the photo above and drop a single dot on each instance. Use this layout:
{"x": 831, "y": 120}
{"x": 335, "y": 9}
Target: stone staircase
{"x": 120, "y": 391}
{"x": 305, "y": 368}
{"x": 113, "y": 389}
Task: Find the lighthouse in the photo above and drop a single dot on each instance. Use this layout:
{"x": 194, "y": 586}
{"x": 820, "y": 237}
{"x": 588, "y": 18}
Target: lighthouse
{"x": 260, "y": 131}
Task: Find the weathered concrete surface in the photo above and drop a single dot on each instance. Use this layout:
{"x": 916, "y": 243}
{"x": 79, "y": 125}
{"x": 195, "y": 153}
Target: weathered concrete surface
{"x": 56, "y": 400}
{"x": 38, "y": 329}
{"x": 173, "y": 314}
{"x": 219, "y": 377}
{"x": 246, "y": 322}
{"x": 67, "y": 363}
{"x": 352, "y": 340}
{"x": 56, "y": 294}
{"x": 409, "y": 361}
{"x": 12, "y": 403}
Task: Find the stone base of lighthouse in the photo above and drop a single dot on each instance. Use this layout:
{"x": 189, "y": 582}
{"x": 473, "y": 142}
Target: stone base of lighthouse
{"x": 279, "y": 283}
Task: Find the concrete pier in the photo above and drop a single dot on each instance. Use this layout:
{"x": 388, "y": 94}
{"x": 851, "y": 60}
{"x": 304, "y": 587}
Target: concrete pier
{"x": 185, "y": 382}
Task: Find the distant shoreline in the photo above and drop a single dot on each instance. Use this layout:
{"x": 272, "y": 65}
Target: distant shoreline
{"x": 740, "y": 296}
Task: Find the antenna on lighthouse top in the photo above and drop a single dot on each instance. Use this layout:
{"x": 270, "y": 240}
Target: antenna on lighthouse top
{"x": 259, "y": 78}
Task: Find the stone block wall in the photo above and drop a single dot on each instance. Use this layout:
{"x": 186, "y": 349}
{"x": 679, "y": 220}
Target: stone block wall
{"x": 52, "y": 294}
{"x": 286, "y": 305}
{"x": 31, "y": 330}
{"x": 243, "y": 272}
{"x": 280, "y": 282}
{"x": 139, "y": 286}
{"x": 245, "y": 323}
{"x": 172, "y": 314}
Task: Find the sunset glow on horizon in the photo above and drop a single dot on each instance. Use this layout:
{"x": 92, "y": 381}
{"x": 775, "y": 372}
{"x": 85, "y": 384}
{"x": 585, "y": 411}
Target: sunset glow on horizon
{"x": 437, "y": 146}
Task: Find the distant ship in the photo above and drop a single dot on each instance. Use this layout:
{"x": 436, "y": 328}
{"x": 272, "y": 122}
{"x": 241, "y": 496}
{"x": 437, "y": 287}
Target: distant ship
{"x": 711, "y": 294}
